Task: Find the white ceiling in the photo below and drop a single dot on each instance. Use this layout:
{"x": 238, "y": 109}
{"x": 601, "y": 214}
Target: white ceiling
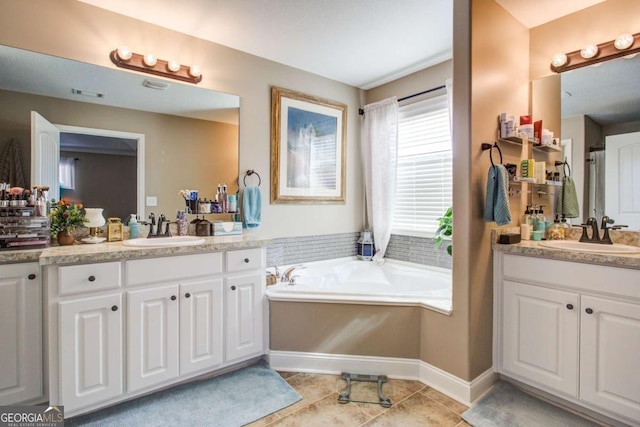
{"x": 363, "y": 43}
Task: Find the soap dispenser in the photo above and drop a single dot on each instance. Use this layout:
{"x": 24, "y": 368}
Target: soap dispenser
{"x": 556, "y": 231}
{"x": 525, "y": 225}
{"x": 542, "y": 220}
{"x": 134, "y": 227}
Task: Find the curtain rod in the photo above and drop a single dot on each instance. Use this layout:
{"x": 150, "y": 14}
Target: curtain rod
{"x": 433, "y": 89}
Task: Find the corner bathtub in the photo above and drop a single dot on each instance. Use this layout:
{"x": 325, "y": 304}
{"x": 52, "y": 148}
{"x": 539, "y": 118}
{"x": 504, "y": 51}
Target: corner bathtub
{"x": 352, "y": 281}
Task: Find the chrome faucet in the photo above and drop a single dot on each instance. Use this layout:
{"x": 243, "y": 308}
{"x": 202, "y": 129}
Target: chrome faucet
{"x": 286, "y": 276}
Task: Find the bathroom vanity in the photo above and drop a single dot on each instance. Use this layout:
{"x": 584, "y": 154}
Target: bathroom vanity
{"x": 568, "y": 325}
{"x": 119, "y": 322}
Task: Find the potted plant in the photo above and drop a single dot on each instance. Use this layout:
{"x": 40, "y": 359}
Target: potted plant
{"x": 445, "y": 230}
{"x": 64, "y": 218}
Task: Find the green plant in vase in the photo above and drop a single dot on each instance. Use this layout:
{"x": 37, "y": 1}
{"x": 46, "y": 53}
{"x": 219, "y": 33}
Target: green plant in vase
{"x": 445, "y": 230}
{"x": 65, "y": 217}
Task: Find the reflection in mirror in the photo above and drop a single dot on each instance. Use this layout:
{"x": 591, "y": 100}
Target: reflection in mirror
{"x": 599, "y": 104}
{"x": 190, "y": 133}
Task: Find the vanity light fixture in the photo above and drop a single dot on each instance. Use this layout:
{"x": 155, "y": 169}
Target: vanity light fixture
{"x": 625, "y": 44}
{"x": 589, "y": 51}
{"x": 123, "y": 57}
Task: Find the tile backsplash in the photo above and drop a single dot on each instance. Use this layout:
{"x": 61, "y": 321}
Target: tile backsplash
{"x": 295, "y": 250}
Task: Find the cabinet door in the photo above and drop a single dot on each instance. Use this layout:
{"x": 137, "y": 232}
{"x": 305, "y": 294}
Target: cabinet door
{"x": 610, "y": 361}
{"x": 20, "y": 333}
{"x": 153, "y": 336}
{"x": 90, "y": 350}
{"x": 540, "y": 335}
{"x": 201, "y": 325}
{"x": 244, "y": 305}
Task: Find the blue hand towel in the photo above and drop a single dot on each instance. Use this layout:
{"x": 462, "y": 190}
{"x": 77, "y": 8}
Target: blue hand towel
{"x": 497, "y": 202}
{"x": 252, "y": 204}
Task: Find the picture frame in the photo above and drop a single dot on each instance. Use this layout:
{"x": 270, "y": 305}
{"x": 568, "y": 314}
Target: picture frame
{"x": 308, "y": 149}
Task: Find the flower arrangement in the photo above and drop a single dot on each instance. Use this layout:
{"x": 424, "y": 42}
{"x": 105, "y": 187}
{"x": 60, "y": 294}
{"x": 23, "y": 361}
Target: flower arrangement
{"x": 66, "y": 215}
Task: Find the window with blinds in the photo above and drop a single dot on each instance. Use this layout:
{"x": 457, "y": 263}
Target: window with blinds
{"x": 424, "y": 174}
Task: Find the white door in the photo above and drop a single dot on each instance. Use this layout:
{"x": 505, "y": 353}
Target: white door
{"x": 20, "y": 333}
{"x": 610, "y": 355}
{"x": 45, "y": 154}
{"x": 622, "y": 182}
{"x": 91, "y": 357}
{"x": 540, "y": 336}
{"x": 201, "y": 325}
{"x": 153, "y": 336}
{"x": 243, "y": 295}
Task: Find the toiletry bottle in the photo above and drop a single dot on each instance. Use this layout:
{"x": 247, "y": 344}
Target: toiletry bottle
{"x": 542, "y": 220}
{"x": 556, "y": 232}
{"x": 225, "y": 201}
{"x": 218, "y": 193}
{"x": 134, "y": 227}
{"x": 565, "y": 226}
{"x": 525, "y": 225}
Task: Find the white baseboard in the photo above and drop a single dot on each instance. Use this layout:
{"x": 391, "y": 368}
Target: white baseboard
{"x": 410, "y": 369}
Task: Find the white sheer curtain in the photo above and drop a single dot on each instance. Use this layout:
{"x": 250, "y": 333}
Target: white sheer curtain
{"x": 67, "y": 173}
{"x": 379, "y": 150}
{"x": 449, "y": 88}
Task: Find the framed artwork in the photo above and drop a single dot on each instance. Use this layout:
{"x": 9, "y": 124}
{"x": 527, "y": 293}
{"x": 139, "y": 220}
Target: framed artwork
{"x": 308, "y": 149}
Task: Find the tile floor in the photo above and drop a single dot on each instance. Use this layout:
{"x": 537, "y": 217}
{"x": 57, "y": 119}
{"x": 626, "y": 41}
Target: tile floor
{"x": 413, "y": 404}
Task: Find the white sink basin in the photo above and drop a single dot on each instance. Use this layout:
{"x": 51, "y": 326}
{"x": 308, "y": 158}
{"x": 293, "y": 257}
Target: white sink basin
{"x": 572, "y": 245}
{"x": 159, "y": 242}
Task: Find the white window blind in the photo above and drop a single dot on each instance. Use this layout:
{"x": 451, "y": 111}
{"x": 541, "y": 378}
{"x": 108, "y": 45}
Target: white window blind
{"x": 424, "y": 172}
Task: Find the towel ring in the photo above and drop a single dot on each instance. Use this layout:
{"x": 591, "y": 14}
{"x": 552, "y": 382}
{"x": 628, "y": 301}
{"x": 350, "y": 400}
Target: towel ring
{"x": 249, "y": 173}
{"x": 565, "y": 167}
{"x": 486, "y": 146}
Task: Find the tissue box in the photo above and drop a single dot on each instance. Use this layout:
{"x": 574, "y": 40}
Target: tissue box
{"x": 226, "y": 228}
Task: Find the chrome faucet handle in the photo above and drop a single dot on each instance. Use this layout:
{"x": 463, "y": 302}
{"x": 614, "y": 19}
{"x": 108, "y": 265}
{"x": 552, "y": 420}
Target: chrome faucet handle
{"x": 276, "y": 272}
{"x": 292, "y": 280}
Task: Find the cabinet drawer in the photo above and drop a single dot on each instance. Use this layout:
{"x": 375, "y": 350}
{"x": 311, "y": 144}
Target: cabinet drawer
{"x": 245, "y": 259}
{"x": 154, "y": 270}
{"x": 89, "y": 277}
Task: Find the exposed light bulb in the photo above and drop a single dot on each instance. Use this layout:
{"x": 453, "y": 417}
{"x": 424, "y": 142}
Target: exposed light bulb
{"x": 150, "y": 60}
{"x": 124, "y": 53}
{"x": 195, "y": 71}
{"x": 589, "y": 51}
{"x": 173, "y": 66}
{"x": 559, "y": 59}
{"x": 624, "y": 41}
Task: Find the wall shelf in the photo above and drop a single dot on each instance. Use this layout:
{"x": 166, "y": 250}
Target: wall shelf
{"x": 540, "y": 147}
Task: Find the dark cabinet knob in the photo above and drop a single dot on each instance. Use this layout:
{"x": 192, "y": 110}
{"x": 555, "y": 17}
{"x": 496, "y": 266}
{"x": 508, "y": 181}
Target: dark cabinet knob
{"x": 173, "y": 298}
{"x": 31, "y": 276}
{"x": 246, "y": 260}
{"x": 114, "y": 308}
{"x": 187, "y": 295}
{"x": 233, "y": 288}
{"x": 570, "y": 306}
{"x": 589, "y": 311}
{"x": 92, "y": 278}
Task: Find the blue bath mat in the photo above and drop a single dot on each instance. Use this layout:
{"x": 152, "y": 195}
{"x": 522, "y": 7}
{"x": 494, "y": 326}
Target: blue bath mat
{"x": 505, "y": 405}
{"x": 232, "y": 399}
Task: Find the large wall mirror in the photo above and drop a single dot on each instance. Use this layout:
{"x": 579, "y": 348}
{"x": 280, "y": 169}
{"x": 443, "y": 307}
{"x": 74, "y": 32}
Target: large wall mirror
{"x": 600, "y": 109}
{"x": 133, "y": 141}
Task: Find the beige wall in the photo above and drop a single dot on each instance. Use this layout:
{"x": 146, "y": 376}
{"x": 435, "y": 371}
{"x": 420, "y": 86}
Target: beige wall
{"x": 75, "y": 30}
{"x": 414, "y": 83}
{"x": 597, "y": 24}
{"x": 179, "y": 152}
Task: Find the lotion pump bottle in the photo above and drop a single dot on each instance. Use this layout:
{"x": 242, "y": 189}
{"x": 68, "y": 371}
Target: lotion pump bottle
{"x": 525, "y": 225}
{"x": 134, "y": 227}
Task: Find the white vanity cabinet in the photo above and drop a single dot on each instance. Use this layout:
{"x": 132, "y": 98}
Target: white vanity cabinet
{"x": 120, "y": 329}
{"x": 20, "y": 333}
{"x": 570, "y": 329}
{"x": 89, "y": 320}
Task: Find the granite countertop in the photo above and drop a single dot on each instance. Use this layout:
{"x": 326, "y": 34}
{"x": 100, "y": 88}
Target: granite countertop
{"x": 533, "y": 248}
{"x": 111, "y": 251}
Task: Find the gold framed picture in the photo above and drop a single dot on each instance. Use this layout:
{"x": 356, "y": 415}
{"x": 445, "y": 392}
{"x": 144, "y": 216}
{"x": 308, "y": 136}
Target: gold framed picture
{"x": 308, "y": 148}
